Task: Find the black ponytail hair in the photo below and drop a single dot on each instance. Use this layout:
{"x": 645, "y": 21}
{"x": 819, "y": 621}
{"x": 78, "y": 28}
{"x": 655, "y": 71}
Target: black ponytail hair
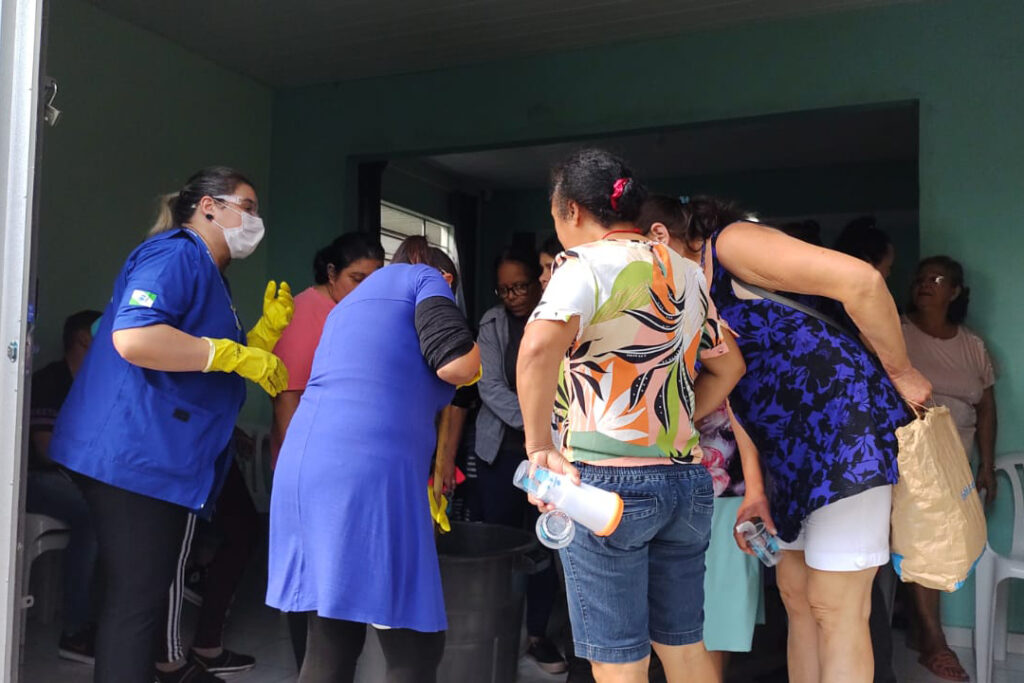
{"x": 343, "y": 252}
{"x": 177, "y": 208}
{"x": 957, "y": 311}
{"x": 601, "y": 183}
{"x": 692, "y": 219}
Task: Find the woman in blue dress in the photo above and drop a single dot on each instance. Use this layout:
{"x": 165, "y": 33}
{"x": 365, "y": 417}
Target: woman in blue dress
{"x": 822, "y": 410}
{"x": 351, "y": 536}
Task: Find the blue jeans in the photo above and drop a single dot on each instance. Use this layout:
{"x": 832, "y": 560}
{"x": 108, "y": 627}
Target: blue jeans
{"x": 644, "y": 582}
{"x": 53, "y": 493}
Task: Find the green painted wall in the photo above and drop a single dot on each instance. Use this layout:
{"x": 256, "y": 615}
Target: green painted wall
{"x": 140, "y": 115}
{"x": 962, "y": 60}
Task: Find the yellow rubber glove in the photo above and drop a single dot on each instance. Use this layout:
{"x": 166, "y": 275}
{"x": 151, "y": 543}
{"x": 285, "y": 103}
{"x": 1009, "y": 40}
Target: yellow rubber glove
{"x": 278, "y": 308}
{"x": 476, "y": 378}
{"x": 439, "y": 511}
{"x": 250, "y": 362}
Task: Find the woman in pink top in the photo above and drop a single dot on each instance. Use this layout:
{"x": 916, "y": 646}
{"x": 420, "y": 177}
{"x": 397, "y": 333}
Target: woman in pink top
{"x": 338, "y": 268}
{"x": 956, "y": 362}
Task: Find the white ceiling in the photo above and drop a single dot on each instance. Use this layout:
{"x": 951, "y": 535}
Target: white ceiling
{"x": 797, "y": 140}
{"x": 301, "y": 42}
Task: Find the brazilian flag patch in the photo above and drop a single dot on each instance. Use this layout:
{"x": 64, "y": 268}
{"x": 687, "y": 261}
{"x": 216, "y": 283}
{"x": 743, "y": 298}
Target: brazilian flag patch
{"x": 141, "y": 297}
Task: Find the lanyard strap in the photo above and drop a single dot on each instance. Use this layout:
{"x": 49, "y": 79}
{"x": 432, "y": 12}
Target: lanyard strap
{"x": 220, "y": 278}
{"x": 795, "y": 305}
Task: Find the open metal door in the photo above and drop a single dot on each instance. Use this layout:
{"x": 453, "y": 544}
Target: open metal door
{"x": 20, "y": 56}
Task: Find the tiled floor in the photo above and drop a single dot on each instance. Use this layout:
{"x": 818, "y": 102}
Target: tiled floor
{"x": 258, "y": 630}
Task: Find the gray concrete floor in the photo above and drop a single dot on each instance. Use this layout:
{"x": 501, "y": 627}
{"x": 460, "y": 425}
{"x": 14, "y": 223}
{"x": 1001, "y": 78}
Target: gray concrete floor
{"x": 256, "y": 629}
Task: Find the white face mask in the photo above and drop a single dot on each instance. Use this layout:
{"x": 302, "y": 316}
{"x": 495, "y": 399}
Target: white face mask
{"x": 243, "y": 239}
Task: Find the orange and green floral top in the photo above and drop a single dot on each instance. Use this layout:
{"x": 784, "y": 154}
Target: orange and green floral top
{"x": 627, "y": 381}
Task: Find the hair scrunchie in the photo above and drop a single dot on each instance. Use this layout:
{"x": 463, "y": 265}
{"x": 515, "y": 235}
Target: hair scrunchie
{"x": 618, "y": 189}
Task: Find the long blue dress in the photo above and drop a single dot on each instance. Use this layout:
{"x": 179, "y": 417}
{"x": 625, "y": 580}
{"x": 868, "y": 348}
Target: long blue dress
{"x": 351, "y": 535}
{"x": 818, "y": 405}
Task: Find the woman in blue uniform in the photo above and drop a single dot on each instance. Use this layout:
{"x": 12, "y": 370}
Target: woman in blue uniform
{"x": 351, "y": 538}
{"x": 146, "y": 426}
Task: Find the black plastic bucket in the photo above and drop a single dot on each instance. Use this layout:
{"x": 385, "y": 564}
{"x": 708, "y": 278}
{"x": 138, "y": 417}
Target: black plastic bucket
{"x": 483, "y": 571}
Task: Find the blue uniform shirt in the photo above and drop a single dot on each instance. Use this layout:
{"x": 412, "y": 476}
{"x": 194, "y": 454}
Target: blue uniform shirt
{"x": 160, "y": 434}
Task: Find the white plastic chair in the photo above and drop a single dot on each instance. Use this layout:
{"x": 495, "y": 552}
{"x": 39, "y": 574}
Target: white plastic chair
{"x": 42, "y": 534}
{"x": 255, "y": 466}
{"x": 991, "y": 591}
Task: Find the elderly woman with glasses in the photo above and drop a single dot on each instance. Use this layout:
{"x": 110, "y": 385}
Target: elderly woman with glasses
{"x": 499, "y": 430}
{"x": 956, "y": 362}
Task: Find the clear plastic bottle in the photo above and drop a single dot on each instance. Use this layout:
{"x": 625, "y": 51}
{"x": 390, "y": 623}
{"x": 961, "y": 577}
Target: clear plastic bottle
{"x": 555, "y": 529}
{"x": 764, "y": 545}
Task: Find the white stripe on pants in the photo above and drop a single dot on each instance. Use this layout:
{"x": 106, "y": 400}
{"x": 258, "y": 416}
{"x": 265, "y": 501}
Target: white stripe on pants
{"x": 175, "y": 594}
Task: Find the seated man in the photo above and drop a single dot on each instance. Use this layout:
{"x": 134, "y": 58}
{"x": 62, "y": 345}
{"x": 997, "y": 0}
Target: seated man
{"x": 50, "y": 491}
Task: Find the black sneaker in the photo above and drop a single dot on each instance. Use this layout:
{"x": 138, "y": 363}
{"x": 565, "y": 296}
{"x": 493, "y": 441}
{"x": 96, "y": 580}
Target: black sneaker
{"x": 78, "y": 647}
{"x": 190, "y": 673}
{"x": 226, "y": 664}
{"x": 547, "y": 656}
{"x": 579, "y": 671}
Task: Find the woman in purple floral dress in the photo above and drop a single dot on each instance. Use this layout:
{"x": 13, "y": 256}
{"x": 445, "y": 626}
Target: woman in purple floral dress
{"x": 821, "y": 409}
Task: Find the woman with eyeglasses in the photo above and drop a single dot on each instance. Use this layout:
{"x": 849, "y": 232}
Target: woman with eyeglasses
{"x": 146, "y": 428}
{"x": 499, "y": 432}
{"x": 957, "y": 363}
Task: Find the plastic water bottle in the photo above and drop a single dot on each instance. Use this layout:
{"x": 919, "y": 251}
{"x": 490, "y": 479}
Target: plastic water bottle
{"x": 555, "y": 529}
{"x": 597, "y": 509}
{"x": 764, "y": 545}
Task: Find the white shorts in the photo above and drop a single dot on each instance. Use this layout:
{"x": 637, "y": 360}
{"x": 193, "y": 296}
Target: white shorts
{"x": 848, "y": 535}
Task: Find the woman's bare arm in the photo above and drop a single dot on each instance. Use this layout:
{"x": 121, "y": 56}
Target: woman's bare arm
{"x": 717, "y": 378}
{"x": 768, "y": 258}
{"x": 461, "y": 370}
{"x": 985, "y": 437}
{"x": 285, "y": 404}
{"x": 540, "y": 355}
{"x": 755, "y": 502}
{"x": 162, "y": 347}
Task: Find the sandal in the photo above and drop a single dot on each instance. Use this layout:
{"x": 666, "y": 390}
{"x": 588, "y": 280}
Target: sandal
{"x": 944, "y": 664}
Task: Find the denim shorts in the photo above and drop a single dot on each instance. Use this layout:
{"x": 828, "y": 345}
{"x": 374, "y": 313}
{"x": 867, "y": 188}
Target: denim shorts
{"x": 645, "y": 582}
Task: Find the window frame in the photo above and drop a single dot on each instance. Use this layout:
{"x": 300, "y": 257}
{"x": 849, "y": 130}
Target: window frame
{"x": 451, "y": 249}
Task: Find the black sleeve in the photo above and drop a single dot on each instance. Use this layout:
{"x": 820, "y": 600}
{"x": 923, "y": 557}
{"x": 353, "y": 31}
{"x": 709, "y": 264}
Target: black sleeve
{"x": 443, "y": 331}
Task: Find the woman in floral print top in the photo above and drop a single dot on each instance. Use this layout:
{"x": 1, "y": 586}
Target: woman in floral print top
{"x": 634, "y": 317}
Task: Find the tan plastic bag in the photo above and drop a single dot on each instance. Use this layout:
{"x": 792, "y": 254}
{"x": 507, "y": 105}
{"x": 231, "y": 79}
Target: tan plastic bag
{"x": 938, "y": 525}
